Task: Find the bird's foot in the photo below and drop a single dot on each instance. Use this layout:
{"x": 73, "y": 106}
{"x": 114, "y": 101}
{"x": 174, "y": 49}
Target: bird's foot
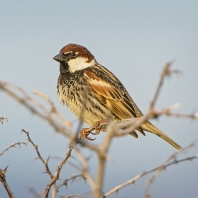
{"x": 84, "y": 133}
{"x": 98, "y": 126}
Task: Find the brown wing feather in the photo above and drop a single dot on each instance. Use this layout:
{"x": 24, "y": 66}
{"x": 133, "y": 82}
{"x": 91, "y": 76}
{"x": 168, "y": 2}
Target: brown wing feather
{"x": 110, "y": 96}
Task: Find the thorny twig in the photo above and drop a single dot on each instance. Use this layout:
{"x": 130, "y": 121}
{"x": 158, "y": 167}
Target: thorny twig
{"x": 34, "y": 193}
{"x": 2, "y": 119}
{"x": 167, "y": 112}
{"x": 53, "y": 109}
{"x": 85, "y": 170}
{"x": 165, "y": 73}
{"x": 57, "y": 172}
{"x": 73, "y": 196}
{"x": 162, "y": 167}
{"x": 13, "y": 145}
{"x": 34, "y": 107}
{"x": 72, "y": 178}
{"x": 5, "y": 184}
{"x": 45, "y": 162}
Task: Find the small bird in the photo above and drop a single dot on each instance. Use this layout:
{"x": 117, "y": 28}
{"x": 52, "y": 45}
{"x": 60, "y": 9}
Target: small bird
{"x": 94, "y": 94}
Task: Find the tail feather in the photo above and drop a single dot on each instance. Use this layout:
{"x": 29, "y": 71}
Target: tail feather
{"x": 147, "y": 126}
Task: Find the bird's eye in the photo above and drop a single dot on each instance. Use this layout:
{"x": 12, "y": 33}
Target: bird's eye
{"x": 73, "y": 54}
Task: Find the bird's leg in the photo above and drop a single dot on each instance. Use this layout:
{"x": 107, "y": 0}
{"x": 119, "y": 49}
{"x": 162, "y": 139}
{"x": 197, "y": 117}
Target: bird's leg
{"x": 85, "y": 132}
{"x": 98, "y": 126}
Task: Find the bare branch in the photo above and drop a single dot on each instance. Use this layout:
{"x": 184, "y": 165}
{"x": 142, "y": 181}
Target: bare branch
{"x": 53, "y": 109}
{"x": 32, "y": 105}
{"x": 75, "y": 196}
{"x": 2, "y": 119}
{"x": 167, "y": 112}
{"x": 35, "y": 193}
{"x": 162, "y": 167}
{"x": 57, "y": 172}
{"x": 45, "y": 162}
{"x": 13, "y": 145}
{"x": 85, "y": 170}
{"x": 5, "y": 184}
{"x": 72, "y": 178}
{"x": 166, "y": 72}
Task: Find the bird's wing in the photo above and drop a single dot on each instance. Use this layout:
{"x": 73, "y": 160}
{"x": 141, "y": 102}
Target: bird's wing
{"x": 111, "y": 95}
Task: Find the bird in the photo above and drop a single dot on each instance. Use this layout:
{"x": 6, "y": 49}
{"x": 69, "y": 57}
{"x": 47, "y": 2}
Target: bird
{"x": 94, "y": 94}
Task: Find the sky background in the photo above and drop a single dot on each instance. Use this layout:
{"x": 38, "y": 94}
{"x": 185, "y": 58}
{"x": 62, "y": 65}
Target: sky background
{"x": 133, "y": 39}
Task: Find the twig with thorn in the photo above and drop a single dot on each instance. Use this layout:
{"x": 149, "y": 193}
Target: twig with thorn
{"x": 57, "y": 172}
{"x": 2, "y": 119}
{"x": 74, "y": 196}
{"x": 13, "y": 145}
{"x": 45, "y": 162}
{"x": 3, "y": 181}
{"x": 161, "y": 167}
{"x": 165, "y": 73}
{"x": 72, "y": 178}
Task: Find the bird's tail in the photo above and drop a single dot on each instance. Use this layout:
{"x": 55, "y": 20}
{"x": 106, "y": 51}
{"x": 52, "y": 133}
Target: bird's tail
{"x": 147, "y": 126}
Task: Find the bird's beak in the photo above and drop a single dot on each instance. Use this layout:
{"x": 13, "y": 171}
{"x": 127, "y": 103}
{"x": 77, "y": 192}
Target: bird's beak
{"x": 60, "y": 58}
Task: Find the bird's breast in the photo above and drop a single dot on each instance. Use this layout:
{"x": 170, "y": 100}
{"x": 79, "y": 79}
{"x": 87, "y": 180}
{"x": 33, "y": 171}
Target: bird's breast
{"x": 81, "y": 101}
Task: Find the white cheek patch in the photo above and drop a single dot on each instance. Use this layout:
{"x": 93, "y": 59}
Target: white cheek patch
{"x": 79, "y": 63}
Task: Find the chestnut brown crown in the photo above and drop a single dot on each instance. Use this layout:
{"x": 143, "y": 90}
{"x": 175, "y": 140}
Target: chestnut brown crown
{"x": 79, "y": 50}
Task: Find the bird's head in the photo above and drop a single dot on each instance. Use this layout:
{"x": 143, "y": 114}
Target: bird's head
{"x": 76, "y": 57}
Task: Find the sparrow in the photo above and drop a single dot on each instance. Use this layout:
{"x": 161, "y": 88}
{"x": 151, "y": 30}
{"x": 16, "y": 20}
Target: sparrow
{"x": 94, "y": 94}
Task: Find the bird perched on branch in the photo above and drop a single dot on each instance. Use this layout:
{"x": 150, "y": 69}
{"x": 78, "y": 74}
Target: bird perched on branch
{"x": 94, "y": 94}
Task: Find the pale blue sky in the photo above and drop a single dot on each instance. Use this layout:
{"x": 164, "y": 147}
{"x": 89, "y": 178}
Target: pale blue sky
{"x": 134, "y": 39}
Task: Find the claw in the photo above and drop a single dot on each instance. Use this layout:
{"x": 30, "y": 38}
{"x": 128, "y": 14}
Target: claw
{"x": 86, "y": 131}
{"x": 96, "y": 133}
{"x": 90, "y": 139}
{"x": 98, "y": 126}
